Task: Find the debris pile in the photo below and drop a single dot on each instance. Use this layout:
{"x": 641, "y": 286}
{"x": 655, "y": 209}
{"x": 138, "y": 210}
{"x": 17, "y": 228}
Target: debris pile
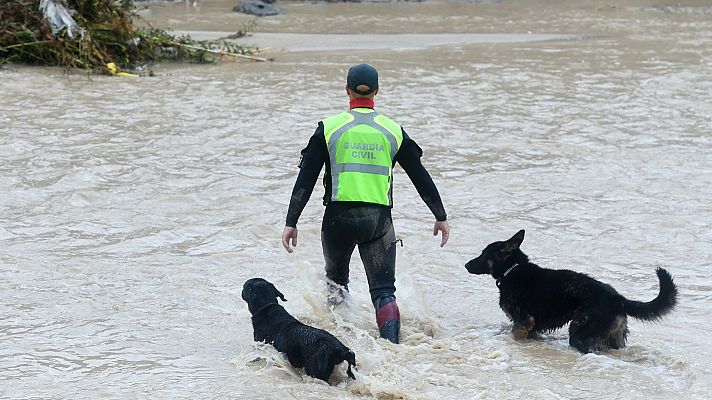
{"x": 92, "y": 34}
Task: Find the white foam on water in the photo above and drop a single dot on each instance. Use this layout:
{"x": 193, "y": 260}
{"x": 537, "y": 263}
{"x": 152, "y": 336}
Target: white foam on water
{"x": 133, "y": 210}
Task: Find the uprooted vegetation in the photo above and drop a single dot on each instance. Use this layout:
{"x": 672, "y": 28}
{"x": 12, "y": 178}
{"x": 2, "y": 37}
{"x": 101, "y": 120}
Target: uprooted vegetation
{"x": 96, "y": 34}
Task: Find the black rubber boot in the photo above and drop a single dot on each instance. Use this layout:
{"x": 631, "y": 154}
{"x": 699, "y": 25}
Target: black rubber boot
{"x": 390, "y": 330}
{"x": 388, "y": 319}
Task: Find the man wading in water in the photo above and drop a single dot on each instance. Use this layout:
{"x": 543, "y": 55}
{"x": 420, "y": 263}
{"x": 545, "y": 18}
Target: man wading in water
{"x": 360, "y": 148}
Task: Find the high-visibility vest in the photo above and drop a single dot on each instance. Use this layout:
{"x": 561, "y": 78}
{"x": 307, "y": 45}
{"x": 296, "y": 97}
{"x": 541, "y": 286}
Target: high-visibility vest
{"x": 362, "y": 145}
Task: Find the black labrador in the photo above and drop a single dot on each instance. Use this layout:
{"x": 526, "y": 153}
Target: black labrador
{"x": 315, "y": 350}
{"x": 539, "y": 300}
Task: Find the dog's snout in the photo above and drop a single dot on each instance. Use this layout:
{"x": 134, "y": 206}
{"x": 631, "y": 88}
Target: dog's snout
{"x": 476, "y": 266}
{"x": 247, "y": 294}
{"x": 469, "y": 266}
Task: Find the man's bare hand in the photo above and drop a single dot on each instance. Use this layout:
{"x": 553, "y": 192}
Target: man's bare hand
{"x": 444, "y": 227}
{"x": 287, "y": 234}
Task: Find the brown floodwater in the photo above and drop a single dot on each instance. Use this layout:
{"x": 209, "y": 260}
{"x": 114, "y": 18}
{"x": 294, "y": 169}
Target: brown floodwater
{"x": 133, "y": 209}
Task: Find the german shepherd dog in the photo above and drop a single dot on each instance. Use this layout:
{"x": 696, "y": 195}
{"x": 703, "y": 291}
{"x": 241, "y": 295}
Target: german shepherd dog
{"x": 539, "y": 300}
{"x": 315, "y": 350}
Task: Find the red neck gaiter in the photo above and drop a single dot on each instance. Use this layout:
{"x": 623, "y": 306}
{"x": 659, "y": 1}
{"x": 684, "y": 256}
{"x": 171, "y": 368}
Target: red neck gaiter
{"x": 361, "y": 102}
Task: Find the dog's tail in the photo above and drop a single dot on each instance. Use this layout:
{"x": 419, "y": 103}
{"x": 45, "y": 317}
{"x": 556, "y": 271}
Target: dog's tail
{"x": 659, "y": 306}
{"x": 350, "y": 358}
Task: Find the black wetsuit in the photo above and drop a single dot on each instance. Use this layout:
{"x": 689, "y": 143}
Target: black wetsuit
{"x": 368, "y": 225}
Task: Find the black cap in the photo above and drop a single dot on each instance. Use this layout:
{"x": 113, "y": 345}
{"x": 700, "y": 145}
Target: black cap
{"x": 362, "y": 79}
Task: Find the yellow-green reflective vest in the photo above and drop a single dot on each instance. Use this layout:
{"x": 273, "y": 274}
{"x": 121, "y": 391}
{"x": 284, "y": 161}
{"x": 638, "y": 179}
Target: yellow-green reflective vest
{"x": 362, "y": 145}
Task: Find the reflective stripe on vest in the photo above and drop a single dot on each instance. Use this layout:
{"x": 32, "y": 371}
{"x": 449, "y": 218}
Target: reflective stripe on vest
{"x": 362, "y": 145}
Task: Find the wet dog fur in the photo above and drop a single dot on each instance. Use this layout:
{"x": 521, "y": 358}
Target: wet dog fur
{"x": 539, "y": 300}
{"x": 313, "y": 349}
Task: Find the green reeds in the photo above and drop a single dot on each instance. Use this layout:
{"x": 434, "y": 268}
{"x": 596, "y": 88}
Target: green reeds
{"x": 109, "y": 35}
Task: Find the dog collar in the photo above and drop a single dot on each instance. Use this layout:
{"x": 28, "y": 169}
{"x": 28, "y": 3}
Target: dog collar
{"x": 510, "y": 269}
{"x": 504, "y": 275}
{"x": 257, "y": 311}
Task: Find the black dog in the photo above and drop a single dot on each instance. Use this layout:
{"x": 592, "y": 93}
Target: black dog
{"x": 541, "y": 300}
{"x": 316, "y": 350}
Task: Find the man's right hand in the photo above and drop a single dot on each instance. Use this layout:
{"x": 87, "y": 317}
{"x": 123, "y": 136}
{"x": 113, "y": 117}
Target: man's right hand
{"x": 289, "y": 233}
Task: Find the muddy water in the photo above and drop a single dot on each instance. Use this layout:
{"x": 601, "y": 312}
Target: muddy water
{"x": 132, "y": 210}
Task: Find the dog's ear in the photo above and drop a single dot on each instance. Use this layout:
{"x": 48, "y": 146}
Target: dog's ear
{"x": 280, "y": 295}
{"x": 514, "y": 242}
{"x": 277, "y": 293}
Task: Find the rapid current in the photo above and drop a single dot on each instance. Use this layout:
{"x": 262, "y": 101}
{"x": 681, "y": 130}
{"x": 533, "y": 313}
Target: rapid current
{"x": 133, "y": 209}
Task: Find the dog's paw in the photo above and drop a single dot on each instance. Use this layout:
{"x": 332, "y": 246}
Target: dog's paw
{"x": 521, "y": 330}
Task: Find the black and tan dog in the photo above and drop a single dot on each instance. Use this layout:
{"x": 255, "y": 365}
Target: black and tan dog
{"x": 315, "y": 350}
{"x": 539, "y": 300}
